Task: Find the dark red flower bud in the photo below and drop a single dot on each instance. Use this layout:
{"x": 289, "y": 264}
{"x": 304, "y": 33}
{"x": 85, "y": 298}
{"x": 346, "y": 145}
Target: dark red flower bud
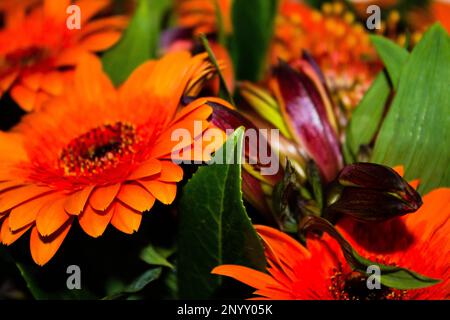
{"x": 369, "y": 192}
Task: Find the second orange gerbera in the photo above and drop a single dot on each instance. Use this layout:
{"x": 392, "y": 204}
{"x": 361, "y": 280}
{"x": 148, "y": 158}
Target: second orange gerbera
{"x": 38, "y": 51}
{"x": 98, "y": 154}
{"x": 320, "y": 271}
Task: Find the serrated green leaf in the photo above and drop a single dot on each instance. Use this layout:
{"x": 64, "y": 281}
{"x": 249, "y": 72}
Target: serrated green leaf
{"x": 366, "y": 118}
{"x": 416, "y": 130}
{"x": 139, "y": 42}
{"x": 214, "y": 228}
{"x": 253, "y": 23}
{"x": 393, "y": 56}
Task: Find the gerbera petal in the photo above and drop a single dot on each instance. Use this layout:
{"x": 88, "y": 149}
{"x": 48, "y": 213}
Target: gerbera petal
{"x": 32, "y": 81}
{"x": 8, "y": 185}
{"x": 102, "y": 197}
{"x": 136, "y": 197}
{"x": 51, "y": 217}
{"x": 400, "y": 170}
{"x": 26, "y": 213}
{"x": 189, "y": 130}
{"x": 131, "y": 88}
{"x": 163, "y": 191}
{"x": 126, "y": 219}
{"x": 41, "y": 98}
{"x": 100, "y": 41}
{"x": 415, "y": 183}
{"x": 94, "y": 222}
{"x": 90, "y": 8}
{"x": 167, "y": 89}
{"x": 53, "y": 83}
{"x": 170, "y": 172}
{"x": 192, "y": 108}
{"x": 201, "y": 149}
{"x": 146, "y": 169}
{"x": 43, "y": 249}
{"x": 69, "y": 56}
{"x": 253, "y": 278}
{"x": 56, "y": 9}
{"x": 24, "y": 97}
{"x": 109, "y": 23}
{"x": 12, "y": 198}
{"x": 274, "y": 294}
{"x": 91, "y": 82}
{"x": 76, "y": 202}
{"x": 282, "y": 247}
{"x": 280, "y": 241}
{"x": 12, "y": 148}
{"x": 7, "y": 236}
{"x": 432, "y": 216}
{"x": 7, "y": 80}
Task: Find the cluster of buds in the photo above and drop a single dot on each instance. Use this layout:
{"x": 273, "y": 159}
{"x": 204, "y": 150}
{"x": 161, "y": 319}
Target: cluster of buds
{"x": 296, "y": 101}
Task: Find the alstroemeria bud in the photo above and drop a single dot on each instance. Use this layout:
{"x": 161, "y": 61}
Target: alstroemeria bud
{"x": 307, "y": 111}
{"x": 266, "y": 114}
{"x": 371, "y": 192}
{"x": 264, "y": 105}
{"x": 257, "y": 187}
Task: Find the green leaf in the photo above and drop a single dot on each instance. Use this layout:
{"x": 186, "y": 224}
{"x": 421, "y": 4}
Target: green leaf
{"x": 137, "y": 285}
{"x": 393, "y": 56}
{"x": 253, "y": 24}
{"x": 33, "y": 275}
{"x": 391, "y": 276}
{"x": 143, "y": 280}
{"x": 315, "y": 181}
{"x": 285, "y": 199}
{"x": 32, "y": 285}
{"x": 416, "y": 130}
{"x": 367, "y": 117}
{"x": 139, "y": 42}
{"x": 224, "y": 91}
{"x": 221, "y": 35}
{"x": 157, "y": 256}
{"x": 214, "y": 228}
{"x": 396, "y": 277}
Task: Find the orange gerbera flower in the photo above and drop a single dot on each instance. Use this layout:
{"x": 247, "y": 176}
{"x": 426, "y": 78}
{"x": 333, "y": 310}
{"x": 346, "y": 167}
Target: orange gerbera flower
{"x": 38, "y": 51}
{"x": 340, "y": 46}
{"x": 98, "y": 154}
{"x": 418, "y": 241}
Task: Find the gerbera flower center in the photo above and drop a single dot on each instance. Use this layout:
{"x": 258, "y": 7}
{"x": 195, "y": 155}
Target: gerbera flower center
{"x": 99, "y": 149}
{"x": 26, "y": 57}
{"x": 353, "y": 286}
